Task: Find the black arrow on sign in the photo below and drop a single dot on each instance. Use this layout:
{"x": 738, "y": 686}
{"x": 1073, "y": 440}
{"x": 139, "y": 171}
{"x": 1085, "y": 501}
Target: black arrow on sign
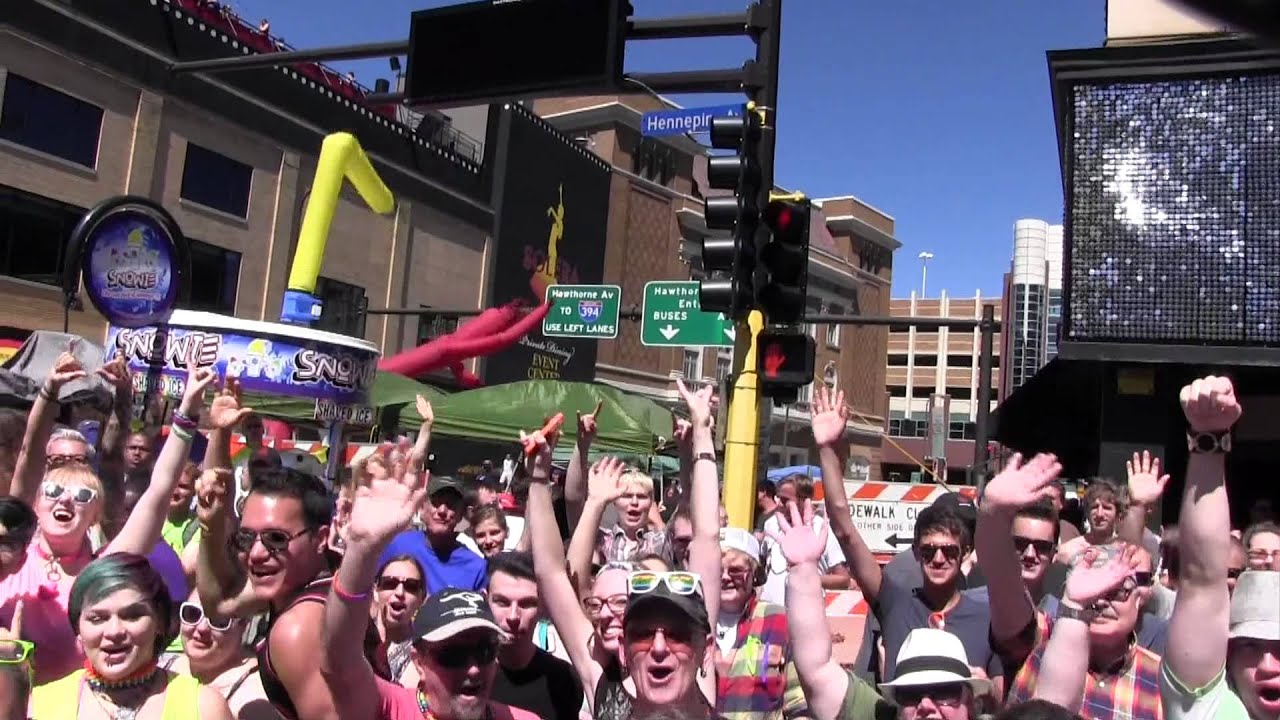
{"x": 895, "y": 541}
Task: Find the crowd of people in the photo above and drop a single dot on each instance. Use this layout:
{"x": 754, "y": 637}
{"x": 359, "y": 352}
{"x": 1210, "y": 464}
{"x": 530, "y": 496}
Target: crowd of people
{"x": 155, "y": 574}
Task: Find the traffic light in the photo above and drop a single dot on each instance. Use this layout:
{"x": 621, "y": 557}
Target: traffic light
{"x": 730, "y": 262}
{"x": 786, "y": 364}
{"x": 785, "y": 260}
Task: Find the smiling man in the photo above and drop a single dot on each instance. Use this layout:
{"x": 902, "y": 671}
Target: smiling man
{"x": 447, "y": 562}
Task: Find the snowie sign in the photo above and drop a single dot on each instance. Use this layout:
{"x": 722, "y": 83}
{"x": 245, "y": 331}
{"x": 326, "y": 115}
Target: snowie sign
{"x": 672, "y": 316}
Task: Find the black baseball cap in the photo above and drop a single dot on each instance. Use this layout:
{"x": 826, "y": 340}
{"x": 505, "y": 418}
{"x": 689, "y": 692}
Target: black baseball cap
{"x": 691, "y": 606}
{"x": 963, "y": 506}
{"x": 451, "y": 612}
{"x": 438, "y": 483}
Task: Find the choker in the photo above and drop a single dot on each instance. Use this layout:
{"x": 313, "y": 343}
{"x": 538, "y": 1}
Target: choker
{"x": 136, "y": 679}
{"x": 53, "y": 563}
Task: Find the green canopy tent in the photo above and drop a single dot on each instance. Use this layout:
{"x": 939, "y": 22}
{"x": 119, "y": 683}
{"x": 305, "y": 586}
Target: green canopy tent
{"x": 628, "y": 423}
{"x": 389, "y": 391}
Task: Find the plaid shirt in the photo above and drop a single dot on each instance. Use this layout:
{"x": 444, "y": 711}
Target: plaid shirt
{"x": 1130, "y": 691}
{"x": 752, "y": 679}
{"x": 613, "y": 545}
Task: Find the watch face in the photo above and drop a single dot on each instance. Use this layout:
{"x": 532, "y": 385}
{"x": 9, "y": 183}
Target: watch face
{"x": 1206, "y": 442}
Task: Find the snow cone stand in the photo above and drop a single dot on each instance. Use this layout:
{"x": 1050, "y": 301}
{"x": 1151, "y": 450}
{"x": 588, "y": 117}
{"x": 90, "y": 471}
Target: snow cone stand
{"x": 134, "y": 262}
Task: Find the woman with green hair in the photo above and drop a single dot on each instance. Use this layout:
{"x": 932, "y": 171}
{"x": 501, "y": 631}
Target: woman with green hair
{"x": 123, "y": 616}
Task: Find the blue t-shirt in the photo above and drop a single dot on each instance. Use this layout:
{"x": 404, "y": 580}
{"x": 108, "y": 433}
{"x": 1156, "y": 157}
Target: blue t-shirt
{"x": 458, "y": 567}
{"x": 900, "y": 610}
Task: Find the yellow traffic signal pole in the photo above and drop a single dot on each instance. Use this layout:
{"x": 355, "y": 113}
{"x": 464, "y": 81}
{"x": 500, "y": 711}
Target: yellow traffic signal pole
{"x": 742, "y": 436}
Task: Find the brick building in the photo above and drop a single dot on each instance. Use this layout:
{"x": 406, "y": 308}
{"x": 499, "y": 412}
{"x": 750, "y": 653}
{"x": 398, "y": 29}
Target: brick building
{"x": 89, "y": 111}
{"x": 655, "y": 231}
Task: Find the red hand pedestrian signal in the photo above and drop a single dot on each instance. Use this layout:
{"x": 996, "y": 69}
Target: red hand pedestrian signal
{"x": 774, "y": 359}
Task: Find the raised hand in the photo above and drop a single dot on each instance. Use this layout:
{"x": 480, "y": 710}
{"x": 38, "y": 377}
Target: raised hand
{"x": 383, "y": 508}
{"x": 199, "y": 380}
{"x": 1146, "y": 484}
{"x": 1210, "y": 404}
{"x": 225, "y": 412}
{"x": 829, "y": 416}
{"x": 1020, "y": 485}
{"x": 587, "y": 426}
{"x": 604, "y": 479}
{"x": 682, "y": 432}
{"x": 425, "y": 411}
{"x": 795, "y": 535}
{"x": 538, "y": 462}
{"x": 65, "y": 369}
{"x": 698, "y": 402}
{"x": 215, "y": 490}
{"x": 1091, "y": 581}
{"x": 116, "y": 374}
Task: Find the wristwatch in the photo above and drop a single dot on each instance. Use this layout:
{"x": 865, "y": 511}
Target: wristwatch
{"x": 1083, "y": 614}
{"x": 1209, "y": 443}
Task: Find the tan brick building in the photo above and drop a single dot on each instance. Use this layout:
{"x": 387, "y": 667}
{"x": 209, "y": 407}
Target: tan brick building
{"x": 655, "y": 231}
{"x": 233, "y": 167}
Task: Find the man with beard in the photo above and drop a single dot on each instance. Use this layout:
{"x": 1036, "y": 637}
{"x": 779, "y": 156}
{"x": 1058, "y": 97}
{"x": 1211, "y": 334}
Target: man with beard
{"x": 528, "y": 677}
{"x": 447, "y": 562}
{"x": 456, "y": 640}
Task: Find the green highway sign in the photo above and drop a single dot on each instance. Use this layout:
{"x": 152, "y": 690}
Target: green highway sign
{"x": 582, "y": 311}
{"x": 672, "y": 317}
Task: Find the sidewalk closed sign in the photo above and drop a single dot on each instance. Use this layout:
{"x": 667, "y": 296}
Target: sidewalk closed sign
{"x": 886, "y": 526}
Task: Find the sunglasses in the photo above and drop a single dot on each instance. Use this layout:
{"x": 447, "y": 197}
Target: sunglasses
{"x": 16, "y": 652}
{"x": 678, "y": 582}
{"x": 56, "y": 461}
{"x": 617, "y": 605}
{"x": 1043, "y": 548}
{"x": 79, "y": 494}
{"x": 275, "y": 541}
{"x": 457, "y": 657}
{"x": 640, "y": 637}
{"x": 191, "y": 614}
{"x": 948, "y": 695}
{"x": 928, "y": 551}
{"x": 387, "y": 583}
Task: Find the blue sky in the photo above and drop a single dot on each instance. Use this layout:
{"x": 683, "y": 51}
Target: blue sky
{"x": 934, "y": 111}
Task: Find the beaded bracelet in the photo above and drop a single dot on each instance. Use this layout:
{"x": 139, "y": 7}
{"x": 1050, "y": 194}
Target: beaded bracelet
{"x": 347, "y": 597}
{"x": 181, "y": 432}
{"x": 183, "y": 421}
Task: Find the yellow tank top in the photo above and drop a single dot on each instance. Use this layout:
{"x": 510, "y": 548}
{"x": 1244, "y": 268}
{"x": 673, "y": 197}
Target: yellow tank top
{"x": 60, "y": 699}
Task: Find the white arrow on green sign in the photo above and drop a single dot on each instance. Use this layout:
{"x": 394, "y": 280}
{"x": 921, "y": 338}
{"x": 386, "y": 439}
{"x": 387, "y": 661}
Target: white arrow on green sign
{"x": 582, "y": 311}
{"x": 672, "y": 317}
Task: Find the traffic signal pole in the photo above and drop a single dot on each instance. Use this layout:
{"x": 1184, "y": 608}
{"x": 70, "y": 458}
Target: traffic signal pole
{"x": 742, "y": 436}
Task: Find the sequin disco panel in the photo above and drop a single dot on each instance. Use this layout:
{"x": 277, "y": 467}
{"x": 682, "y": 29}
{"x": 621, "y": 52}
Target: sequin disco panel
{"x": 1175, "y": 212}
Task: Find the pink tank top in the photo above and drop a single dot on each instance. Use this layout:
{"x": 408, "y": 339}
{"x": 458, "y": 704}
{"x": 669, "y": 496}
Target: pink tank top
{"x": 44, "y": 619}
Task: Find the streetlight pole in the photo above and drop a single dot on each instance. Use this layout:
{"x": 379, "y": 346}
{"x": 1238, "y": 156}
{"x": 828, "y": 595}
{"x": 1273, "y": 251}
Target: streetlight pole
{"x": 925, "y": 257}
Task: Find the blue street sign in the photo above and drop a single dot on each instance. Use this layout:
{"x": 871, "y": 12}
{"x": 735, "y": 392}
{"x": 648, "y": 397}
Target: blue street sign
{"x": 686, "y": 120}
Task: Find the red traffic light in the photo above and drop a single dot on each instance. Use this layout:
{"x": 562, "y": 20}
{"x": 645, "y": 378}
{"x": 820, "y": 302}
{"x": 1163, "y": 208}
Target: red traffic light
{"x": 785, "y": 362}
{"x": 774, "y": 359}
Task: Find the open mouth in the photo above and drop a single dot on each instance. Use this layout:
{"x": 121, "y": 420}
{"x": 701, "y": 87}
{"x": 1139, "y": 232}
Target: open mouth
{"x": 1270, "y": 696}
{"x": 260, "y": 573}
{"x": 114, "y": 656}
{"x": 660, "y": 673}
{"x": 63, "y": 515}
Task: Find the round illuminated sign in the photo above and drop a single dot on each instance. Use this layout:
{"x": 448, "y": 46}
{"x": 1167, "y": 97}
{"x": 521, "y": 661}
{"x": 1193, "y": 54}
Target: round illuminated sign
{"x": 133, "y": 258}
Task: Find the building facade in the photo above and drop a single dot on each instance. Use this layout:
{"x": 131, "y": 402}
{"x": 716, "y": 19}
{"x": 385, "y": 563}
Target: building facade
{"x": 655, "y": 232}
{"x": 1032, "y": 309}
{"x": 926, "y": 367}
{"x": 83, "y": 117}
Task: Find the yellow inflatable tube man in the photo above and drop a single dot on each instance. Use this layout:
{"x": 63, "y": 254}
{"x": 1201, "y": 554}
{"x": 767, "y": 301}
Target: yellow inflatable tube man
{"x": 340, "y": 157}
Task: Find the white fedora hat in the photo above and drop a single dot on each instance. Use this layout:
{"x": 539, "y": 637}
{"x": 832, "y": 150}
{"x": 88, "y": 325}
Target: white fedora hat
{"x": 933, "y": 657}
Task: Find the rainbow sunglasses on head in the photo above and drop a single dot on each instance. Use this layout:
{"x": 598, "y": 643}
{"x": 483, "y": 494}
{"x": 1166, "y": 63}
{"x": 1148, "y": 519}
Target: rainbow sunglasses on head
{"x": 678, "y": 582}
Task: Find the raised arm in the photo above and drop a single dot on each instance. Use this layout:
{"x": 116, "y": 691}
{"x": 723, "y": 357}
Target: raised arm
{"x": 141, "y": 530}
{"x": 602, "y": 489}
{"x": 117, "y": 430}
{"x": 1146, "y": 486}
{"x": 825, "y": 683}
{"x": 704, "y": 496}
{"x": 1018, "y": 486}
{"x": 418, "y": 455}
{"x": 381, "y": 509}
{"x": 830, "y": 416}
{"x": 1066, "y": 657}
{"x": 554, "y": 588}
{"x": 575, "y": 477}
{"x": 1197, "y": 647}
{"x": 28, "y": 469}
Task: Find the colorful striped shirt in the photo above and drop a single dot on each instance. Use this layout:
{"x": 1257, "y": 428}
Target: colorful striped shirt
{"x": 1128, "y": 691}
{"x": 752, "y": 679}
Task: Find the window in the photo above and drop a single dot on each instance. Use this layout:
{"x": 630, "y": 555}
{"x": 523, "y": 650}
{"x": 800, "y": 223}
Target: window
{"x": 926, "y": 361}
{"x": 692, "y": 364}
{"x": 215, "y": 277}
{"x": 899, "y": 391}
{"x": 33, "y": 235}
{"x": 898, "y": 360}
{"x": 805, "y": 395}
{"x": 216, "y": 181}
{"x": 833, "y": 330}
{"x": 52, "y": 122}
{"x": 724, "y": 364}
{"x": 431, "y": 327}
{"x": 959, "y": 361}
{"x": 344, "y": 306}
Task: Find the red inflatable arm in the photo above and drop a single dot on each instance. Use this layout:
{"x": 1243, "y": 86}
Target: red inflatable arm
{"x": 492, "y": 331}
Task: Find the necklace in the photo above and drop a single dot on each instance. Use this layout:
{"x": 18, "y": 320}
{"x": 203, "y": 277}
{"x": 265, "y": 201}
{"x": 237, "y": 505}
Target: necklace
{"x": 102, "y": 689}
{"x": 53, "y": 563}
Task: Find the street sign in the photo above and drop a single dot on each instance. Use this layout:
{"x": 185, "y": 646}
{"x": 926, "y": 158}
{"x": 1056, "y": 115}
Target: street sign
{"x": 684, "y": 120}
{"x": 672, "y": 318}
{"x": 886, "y": 526}
{"x": 582, "y": 311}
